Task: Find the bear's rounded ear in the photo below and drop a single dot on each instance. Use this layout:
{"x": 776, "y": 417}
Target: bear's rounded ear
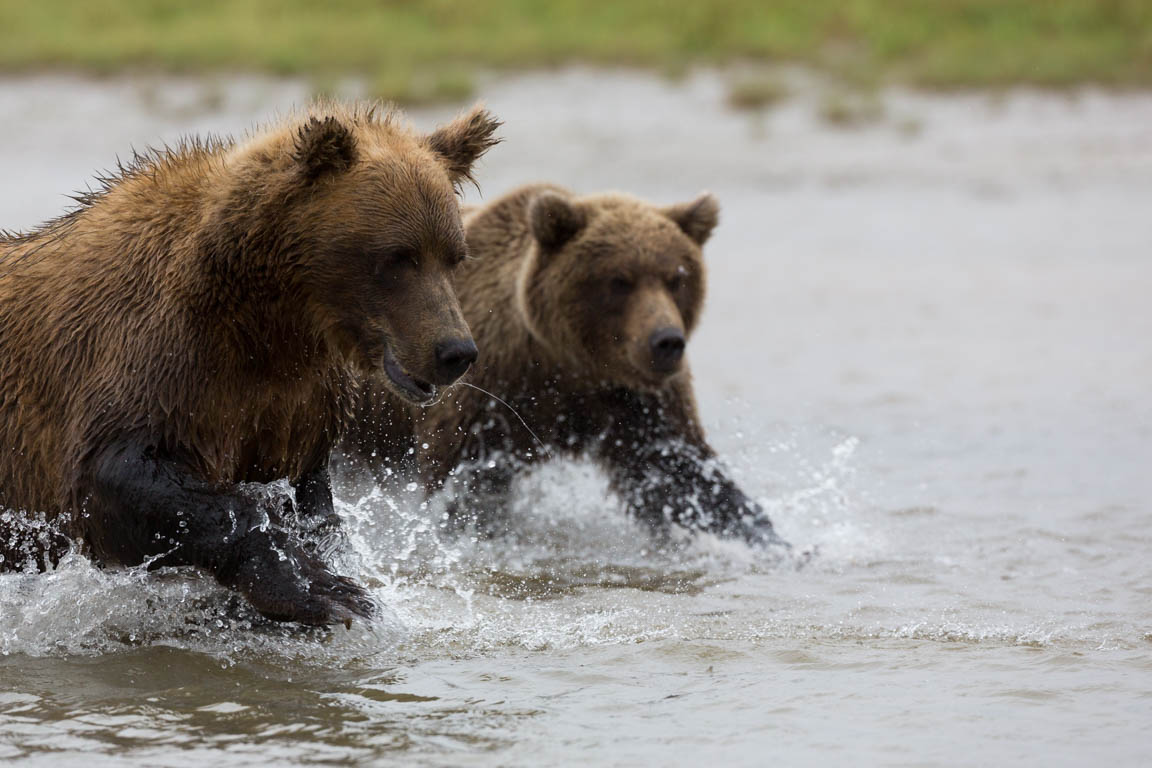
{"x": 554, "y": 220}
{"x": 324, "y": 146}
{"x": 698, "y": 218}
{"x": 461, "y": 142}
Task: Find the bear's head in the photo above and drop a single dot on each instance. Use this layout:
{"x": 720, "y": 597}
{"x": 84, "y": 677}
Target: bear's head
{"x": 367, "y": 217}
{"x": 616, "y": 284}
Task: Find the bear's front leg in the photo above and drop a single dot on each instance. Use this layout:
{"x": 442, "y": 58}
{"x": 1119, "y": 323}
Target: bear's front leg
{"x": 658, "y": 461}
{"x": 673, "y": 482}
{"x": 707, "y": 498}
{"x": 136, "y": 507}
{"x": 315, "y": 516}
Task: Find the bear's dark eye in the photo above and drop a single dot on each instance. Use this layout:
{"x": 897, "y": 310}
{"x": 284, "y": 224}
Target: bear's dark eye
{"x": 400, "y": 255}
{"x": 675, "y": 283}
{"x": 620, "y": 286}
{"x": 386, "y": 263}
{"x": 456, "y": 257}
{"x": 396, "y": 258}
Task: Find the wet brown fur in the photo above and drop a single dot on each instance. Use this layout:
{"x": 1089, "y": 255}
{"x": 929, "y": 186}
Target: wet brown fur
{"x": 563, "y": 294}
{"x": 210, "y": 303}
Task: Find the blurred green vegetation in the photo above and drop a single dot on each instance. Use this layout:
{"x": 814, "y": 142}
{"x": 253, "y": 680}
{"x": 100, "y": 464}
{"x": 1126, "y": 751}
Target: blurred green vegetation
{"x": 414, "y": 49}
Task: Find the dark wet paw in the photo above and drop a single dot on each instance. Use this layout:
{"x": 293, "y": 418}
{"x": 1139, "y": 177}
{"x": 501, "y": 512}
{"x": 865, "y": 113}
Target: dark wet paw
{"x": 340, "y": 599}
{"x": 321, "y": 600}
{"x": 286, "y": 583}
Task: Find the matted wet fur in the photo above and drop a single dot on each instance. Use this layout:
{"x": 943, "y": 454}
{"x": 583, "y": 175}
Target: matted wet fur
{"x": 194, "y": 329}
{"x": 582, "y": 307}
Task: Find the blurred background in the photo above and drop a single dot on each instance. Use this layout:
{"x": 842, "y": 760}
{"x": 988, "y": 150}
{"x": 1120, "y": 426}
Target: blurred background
{"x": 926, "y": 350}
{"x": 874, "y": 158}
{"x": 418, "y": 50}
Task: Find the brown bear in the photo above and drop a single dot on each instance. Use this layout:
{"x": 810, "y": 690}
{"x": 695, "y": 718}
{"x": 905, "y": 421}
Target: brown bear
{"x": 583, "y": 306}
{"x": 193, "y": 332}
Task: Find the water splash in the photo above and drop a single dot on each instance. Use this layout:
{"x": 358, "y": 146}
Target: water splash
{"x": 572, "y": 570}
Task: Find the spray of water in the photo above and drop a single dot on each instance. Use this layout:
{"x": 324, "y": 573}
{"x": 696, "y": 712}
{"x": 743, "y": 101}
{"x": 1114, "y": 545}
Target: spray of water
{"x": 572, "y": 569}
{"x": 515, "y": 413}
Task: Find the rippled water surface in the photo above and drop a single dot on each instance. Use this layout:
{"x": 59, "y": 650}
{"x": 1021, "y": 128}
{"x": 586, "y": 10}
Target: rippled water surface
{"x": 926, "y": 351}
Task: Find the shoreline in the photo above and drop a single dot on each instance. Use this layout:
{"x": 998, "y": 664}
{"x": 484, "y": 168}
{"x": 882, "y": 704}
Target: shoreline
{"x": 750, "y": 86}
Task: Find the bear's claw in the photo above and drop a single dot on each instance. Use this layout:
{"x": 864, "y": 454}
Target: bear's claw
{"x": 287, "y": 583}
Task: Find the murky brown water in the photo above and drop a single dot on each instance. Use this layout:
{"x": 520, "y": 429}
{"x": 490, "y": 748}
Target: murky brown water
{"x": 926, "y": 350}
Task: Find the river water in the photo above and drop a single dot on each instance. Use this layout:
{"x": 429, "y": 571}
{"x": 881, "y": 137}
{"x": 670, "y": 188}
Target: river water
{"x": 926, "y": 350}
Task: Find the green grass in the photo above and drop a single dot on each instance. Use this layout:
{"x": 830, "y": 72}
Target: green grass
{"x": 425, "y": 48}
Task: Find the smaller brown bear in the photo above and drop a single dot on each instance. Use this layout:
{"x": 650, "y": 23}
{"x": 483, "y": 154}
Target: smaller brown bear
{"x": 582, "y": 307}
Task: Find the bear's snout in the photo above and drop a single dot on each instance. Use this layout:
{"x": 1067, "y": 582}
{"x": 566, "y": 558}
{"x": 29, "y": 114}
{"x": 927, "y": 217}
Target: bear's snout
{"x": 453, "y": 358}
{"x": 667, "y": 348}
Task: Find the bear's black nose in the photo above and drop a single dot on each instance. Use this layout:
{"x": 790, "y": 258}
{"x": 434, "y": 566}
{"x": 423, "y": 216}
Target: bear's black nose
{"x": 667, "y": 348}
{"x": 453, "y": 358}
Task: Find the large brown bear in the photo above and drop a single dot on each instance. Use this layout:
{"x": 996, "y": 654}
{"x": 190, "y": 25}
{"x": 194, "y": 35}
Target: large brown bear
{"x": 193, "y": 332}
{"x": 582, "y": 306}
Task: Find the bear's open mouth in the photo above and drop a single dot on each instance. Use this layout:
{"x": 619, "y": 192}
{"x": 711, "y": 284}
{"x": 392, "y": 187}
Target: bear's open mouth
{"x": 419, "y": 392}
